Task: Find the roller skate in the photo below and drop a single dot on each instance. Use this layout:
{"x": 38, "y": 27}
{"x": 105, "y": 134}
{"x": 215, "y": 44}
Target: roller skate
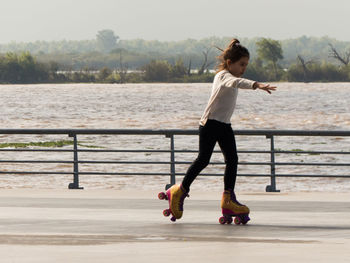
{"x": 232, "y": 208}
{"x": 175, "y": 195}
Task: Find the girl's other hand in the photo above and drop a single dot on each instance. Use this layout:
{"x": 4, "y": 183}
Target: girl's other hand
{"x": 265, "y": 87}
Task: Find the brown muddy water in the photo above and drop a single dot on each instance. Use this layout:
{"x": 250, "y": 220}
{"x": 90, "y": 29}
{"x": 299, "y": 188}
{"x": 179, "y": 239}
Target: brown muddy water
{"x": 294, "y": 106}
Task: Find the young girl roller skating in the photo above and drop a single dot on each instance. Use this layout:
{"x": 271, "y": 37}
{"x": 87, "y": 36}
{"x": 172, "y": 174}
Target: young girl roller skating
{"x": 215, "y": 127}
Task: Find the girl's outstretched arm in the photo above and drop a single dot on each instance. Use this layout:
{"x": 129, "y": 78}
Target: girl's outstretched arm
{"x": 266, "y": 87}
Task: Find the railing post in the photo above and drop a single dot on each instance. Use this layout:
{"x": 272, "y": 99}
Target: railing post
{"x": 172, "y": 161}
{"x": 75, "y": 184}
{"x": 272, "y": 186}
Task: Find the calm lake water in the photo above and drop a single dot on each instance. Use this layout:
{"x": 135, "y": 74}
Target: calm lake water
{"x": 300, "y": 106}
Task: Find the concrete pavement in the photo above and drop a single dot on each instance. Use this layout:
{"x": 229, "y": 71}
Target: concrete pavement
{"x": 119, "y": 226}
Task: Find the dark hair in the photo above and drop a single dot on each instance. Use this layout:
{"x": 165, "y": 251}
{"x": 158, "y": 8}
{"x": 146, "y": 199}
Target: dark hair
{"x": 234, "y": 52}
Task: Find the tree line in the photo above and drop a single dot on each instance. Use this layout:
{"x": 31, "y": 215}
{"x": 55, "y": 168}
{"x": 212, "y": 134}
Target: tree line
{"x": 94, "y": 52}
{"x": 24, "y": 69}
{"x": 115, "y": 62}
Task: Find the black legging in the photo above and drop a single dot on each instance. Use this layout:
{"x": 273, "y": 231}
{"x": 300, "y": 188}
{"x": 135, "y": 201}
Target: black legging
{"x": 214, "y": 131}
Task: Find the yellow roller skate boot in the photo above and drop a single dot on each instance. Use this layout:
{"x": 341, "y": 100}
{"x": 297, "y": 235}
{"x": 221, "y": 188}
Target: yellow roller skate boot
{"x": 232, "y": 208}
{"x": 176, "y": 196}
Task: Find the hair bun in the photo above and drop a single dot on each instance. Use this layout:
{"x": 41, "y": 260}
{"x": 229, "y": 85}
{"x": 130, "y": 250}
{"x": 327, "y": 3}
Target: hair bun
{"x": 234, "y": 42}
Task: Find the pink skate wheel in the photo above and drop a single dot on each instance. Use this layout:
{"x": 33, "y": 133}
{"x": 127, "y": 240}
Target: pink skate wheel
{"x": 222, "y": 220}
{"x": 166, "y": 212}
{"x": 237, "y": 220}
{"x": 161, "y": 195}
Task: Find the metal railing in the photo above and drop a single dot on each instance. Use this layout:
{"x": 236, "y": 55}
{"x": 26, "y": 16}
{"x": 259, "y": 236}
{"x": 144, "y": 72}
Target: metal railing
{"x": 73, "y": 133}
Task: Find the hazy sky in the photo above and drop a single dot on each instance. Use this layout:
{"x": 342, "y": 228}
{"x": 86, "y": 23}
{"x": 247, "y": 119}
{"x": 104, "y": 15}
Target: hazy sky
{"x": 30, "y": 20}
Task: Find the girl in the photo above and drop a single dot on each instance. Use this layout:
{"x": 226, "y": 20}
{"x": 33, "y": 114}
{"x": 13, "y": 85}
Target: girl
{"x": 215, "y": 127}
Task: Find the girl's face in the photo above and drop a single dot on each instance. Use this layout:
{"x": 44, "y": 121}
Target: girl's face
{"x": 238, "y": 68}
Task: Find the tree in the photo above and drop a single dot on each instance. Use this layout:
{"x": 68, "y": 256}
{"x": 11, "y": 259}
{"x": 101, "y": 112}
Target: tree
{"x": 270, "y": 50}
{"x": 304, "y": 66}
{"x": 205, "y": 64}
{"x": 123, "y": 68}
{"x": 334, "y": 54}
{"x": 189, "y": 67}
{"x": 22, "y": 68}
{"x": 157, "y": 70}
{"x": 179, "y": 70}
{"x": 104, "y": 73}
{"x": 106, "y": 40}
{"x": 256, "y": 71}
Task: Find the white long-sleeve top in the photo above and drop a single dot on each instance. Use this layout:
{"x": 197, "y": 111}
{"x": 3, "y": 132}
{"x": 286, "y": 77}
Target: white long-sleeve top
{"x": 222, "y": 101}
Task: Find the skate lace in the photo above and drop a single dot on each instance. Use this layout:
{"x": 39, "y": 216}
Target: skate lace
{"x": 234, "y": 199}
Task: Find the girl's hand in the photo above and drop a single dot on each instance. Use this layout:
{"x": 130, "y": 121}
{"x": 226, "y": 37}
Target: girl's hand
{"x": 265, "y": 87}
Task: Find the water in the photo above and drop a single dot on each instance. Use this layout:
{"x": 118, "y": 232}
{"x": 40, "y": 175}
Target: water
{"x": 312, "y": 106}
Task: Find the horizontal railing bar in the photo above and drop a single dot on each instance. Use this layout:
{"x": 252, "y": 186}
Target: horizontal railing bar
{"x": 127, "y": 174}
{"x": 125, "y": 151}
{"x": 172, "y": 132}
{"x": 269, "y": 152}
{"x": 312, "y": 175}
{"x": 196, "y": 151}
{"x": 180, "y": 174}
{"x": 165, "y": 151}
{"x": 160, "y": 162}
{"x": 316, "y": 164}
{"x": 123, "y": 162}
{"x": 156, "y": 174}
{"x": 34, "y": 161}
{"x": 250, "y": 175}
{"x": 212, "y": 163}
{"x": 312, "y": 152}
{"x": 141, "y": 162}
{"x": 162, "y": 151}
{"x": 276, "y": 163}
{"x": 26, "y": 172}
{"x": 278, "y": 175}
{"x": 34, "y": 150}
{"x": 82, "y": 150}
